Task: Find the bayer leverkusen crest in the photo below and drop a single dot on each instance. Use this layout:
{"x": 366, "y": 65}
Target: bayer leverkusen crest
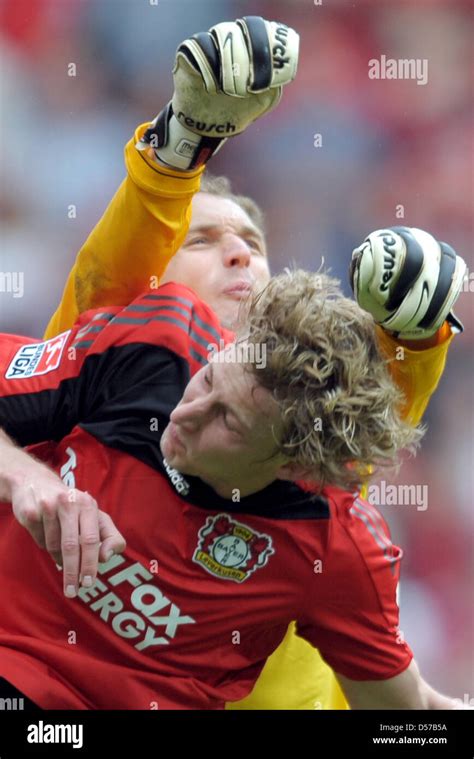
{"x": 231, "y": 550}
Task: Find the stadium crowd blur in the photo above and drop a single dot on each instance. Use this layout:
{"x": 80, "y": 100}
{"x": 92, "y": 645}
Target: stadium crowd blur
{"x": 385, "y": 144}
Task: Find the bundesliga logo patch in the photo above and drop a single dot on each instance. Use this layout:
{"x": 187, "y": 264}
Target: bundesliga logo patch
{"x": 231, "y": 550}
{"x": 37, "y": 358}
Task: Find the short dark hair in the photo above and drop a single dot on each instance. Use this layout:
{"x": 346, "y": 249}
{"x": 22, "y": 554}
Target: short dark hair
{"x": 221, "y": 186}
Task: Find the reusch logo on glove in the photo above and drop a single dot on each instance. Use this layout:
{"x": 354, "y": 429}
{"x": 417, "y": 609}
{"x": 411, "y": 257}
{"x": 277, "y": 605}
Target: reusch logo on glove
{"x": 279, "y": 50}
{"x": 389, "y": 241}
{"x": 201, "y": 126}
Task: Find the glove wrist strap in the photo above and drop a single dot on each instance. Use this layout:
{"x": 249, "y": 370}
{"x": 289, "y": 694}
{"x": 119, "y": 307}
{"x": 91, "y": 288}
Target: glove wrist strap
{"x": 175, "y": 145}
{"x": 456, "y": 326}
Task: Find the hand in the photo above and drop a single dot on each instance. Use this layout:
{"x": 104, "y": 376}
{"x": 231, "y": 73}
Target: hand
{"x": 68, "y": 524}
{"x": 224, "y": 80}
{"x": 407, "y": 280}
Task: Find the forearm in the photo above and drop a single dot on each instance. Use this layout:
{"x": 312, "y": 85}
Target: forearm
{"x": 15, "y": 466}
{"x": 436, "y": 701}
{"x": 141, "y": 230}
{"x": 130, "y": 247}
{"x": 405, "y": 691}
{"x": 416, "y": 368}
{"x": 422, "y": 697}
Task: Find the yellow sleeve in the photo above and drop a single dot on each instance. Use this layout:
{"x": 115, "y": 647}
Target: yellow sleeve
{"x": 127, "y": 252}
{"x": 416, "y": 372}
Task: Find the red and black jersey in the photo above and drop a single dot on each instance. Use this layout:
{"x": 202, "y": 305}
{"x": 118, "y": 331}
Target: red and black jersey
{"x": 206, "y": 588}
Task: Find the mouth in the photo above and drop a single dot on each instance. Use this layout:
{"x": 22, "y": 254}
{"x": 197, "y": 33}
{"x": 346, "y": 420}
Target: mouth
{"x": 173, "y": 433}
{"x": 239, "y": 290}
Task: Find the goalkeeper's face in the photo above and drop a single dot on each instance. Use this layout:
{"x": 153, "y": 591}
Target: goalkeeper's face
{"x": 223, "y": 431}
{"x": 222, "y": 258}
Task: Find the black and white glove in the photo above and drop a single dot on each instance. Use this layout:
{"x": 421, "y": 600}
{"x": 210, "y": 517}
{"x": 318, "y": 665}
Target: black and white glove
{"x": 407, "y": 280}
{"x": 224, "y": 80}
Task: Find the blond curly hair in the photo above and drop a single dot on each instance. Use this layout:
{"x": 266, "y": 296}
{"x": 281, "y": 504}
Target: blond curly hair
{"x": 340, "y": 408}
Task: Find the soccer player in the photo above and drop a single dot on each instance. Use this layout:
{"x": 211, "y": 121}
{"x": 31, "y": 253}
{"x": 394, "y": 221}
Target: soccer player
{"x": 240, "y": 515}
{"x": 144, "y": 226}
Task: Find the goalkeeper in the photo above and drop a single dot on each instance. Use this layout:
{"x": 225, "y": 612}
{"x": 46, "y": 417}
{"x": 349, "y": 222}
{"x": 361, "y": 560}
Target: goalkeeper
{"x": 224, "y": 80}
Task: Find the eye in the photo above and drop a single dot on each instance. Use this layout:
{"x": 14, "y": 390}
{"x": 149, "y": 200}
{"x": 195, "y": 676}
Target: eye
{"x": 254, "y": 245}
{"x": 222, "y": 410}
{"x": 231, "y": 429}
{"x": 198, "y": 241}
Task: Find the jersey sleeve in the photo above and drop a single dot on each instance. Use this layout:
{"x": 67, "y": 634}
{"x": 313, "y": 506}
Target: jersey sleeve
{"x": 352, "y": 614}
{"x": 142, "y": 228}
{"x": 416, "y": 372}
{"x": 37, "y": 384}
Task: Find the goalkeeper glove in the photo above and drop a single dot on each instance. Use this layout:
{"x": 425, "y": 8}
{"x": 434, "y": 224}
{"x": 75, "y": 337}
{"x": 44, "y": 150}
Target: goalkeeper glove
{"x": 224, "y": 80}
{"x": 407, "y": 280}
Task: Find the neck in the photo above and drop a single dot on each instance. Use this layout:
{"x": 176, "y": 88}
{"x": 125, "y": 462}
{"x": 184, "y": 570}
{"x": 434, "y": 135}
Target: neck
{"x": 235, "y": 490}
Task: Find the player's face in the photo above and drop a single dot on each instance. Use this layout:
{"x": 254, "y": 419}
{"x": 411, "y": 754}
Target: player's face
{"x": 221, "y": 430}
{"x": 222, "y": 258}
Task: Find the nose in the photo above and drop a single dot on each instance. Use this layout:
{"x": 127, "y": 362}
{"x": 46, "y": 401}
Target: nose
{"x": 236, "y": 251}
{"x": 191, "y": 415}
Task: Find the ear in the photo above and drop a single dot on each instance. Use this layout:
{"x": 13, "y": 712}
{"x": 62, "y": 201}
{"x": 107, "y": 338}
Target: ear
{"x": 293, "y": 472}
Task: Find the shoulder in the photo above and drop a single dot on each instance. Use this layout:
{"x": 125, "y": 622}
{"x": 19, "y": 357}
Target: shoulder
{"x": 171, "y": 317}
{"x": 362, "y": 549}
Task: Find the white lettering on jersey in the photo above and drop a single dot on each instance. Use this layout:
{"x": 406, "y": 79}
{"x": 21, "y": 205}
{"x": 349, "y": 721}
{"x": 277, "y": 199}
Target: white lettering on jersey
{"x": 142, "y": 625}
{"x": 180, "y": 484}
{"x": 66, "y": 473}
{"x": 147, "y": 600}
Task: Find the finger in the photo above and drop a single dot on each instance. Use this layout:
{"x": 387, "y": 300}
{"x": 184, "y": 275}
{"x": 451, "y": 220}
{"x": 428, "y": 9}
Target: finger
{"x": 89, "y": 539}
{"x": 256, "y": 33}
{"x": 27, "y": 510}
{"x": 34, "y": 525}
{"x": 274, "y": 51}
{"x": 68, "y": 512}
{"x": 112, "y": 540}
{"x": 234, "y": 56}
{"x": 52, "y": 534}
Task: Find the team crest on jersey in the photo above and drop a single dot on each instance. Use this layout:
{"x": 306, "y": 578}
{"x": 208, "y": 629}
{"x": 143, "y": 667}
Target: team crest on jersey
{"x": 231, "y": 550}
{"x": 37, "y": 358}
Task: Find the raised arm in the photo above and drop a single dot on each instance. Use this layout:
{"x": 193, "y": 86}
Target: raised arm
{"x": 128, "y": 250}
{"x": 224, "y": 80}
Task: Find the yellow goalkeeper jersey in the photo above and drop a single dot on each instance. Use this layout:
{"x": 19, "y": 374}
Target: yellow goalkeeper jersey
{"x": 127, "y": 252}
